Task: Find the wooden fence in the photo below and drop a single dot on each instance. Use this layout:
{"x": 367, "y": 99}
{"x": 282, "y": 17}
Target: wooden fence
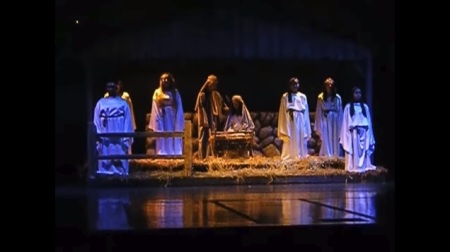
{"x": 93, "y": 155}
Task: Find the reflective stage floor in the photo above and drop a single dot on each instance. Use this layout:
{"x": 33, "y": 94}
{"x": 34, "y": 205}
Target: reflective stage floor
{"x": 239, "y": 215}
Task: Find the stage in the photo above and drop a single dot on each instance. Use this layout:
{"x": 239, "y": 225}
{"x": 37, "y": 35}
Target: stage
{"x": 239, "y": 171}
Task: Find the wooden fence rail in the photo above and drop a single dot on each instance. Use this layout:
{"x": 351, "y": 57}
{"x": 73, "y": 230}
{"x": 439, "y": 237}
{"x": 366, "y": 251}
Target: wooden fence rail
{"x": 93, "y": 155}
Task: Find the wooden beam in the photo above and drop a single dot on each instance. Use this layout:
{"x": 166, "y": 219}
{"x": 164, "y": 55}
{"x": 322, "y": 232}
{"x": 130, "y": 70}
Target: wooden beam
{"x": 139, "y": 156}
{"x": 187, "y": 150}
{"x": 142, "y": 134}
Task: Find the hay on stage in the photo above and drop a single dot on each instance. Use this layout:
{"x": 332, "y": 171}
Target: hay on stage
{"x": 164, "y": 169}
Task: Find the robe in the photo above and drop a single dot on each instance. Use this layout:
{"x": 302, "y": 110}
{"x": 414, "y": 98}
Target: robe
{"x": 243, "y": 122}
{"x": 209, "y": 113}
{"x": 296, "y": 130}
{"x": 357, "y": 139}
{"x": 327, "y": 123}
{"x": 113, "y": 115}
{"x": 167, "y": 115}
{"x": 126, "y": 96}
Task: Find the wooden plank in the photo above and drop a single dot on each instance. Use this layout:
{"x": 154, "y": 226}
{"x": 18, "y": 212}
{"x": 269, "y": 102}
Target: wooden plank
{"x": 142, "y": 134}
{"x": 187, "y": 150}
{"x": 140, "y": 156}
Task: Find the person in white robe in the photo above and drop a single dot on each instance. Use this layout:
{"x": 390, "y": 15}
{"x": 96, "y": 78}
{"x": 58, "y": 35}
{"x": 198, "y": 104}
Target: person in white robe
{"x": 239, "y": 118}
{"x": 210, "y": 107}
{"x": 113, "y": 115}
{"x": 294, "y": 127}
{"x": 126, "y": 96}
{"x": 356, "y": 136}
{"x": 328, "y": 120}
{"x": 167, "y": 115}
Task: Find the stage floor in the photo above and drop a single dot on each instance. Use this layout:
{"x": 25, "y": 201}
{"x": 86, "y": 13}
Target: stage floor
{"x": 315, "y": 217}
{"x": 224, "y": 206}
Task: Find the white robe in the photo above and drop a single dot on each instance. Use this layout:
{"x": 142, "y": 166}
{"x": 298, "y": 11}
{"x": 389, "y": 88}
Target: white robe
{"x": 167, "y": 117}
{"x": 358, "y": 143}
{"x": 327, "y": 123}
{"x": 294, "y": 132}
{"x": 113, "y": 115}
{"x": 126, "y": 96}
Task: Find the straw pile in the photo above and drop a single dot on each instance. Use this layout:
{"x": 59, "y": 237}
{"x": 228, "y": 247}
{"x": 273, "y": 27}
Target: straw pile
{"x": 224, "y": 164}
{"x": 241, "y": 174}
{"x": 239, "y": 169}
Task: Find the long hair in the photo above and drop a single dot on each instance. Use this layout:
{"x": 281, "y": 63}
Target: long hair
{"x": 171, "y": 82}
{"x": 361, "y": 101}
{"x": 120, "y": 88}
{"x": 171, "y": 87}
{"x": 333, "y": 90}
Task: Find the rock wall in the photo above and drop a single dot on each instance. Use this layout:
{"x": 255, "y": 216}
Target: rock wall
{"x": 265, "y": 143}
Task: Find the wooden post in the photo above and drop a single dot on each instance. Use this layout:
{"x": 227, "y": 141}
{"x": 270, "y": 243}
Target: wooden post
{"x": 187, "y": 150}
{"x": 92, "y": 152}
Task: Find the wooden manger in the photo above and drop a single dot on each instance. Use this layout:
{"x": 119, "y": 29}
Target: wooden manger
{"x": 231, "y": 144}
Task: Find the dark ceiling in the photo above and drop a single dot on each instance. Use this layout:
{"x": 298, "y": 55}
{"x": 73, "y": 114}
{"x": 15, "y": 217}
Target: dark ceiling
{"x": 369, "y": 22}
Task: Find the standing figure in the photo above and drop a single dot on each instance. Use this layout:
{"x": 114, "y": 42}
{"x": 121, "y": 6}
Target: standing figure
{"x": 113, "y": 115}
{"x": 294, "y": 127}
{"x": 167, "y": 115}
{"x": 328, "y": 120}
{"x": 126, "y": 96}
{"x": 239, "y": 118}
{"x": 357, "y": 134}
{"x": 209, "y": 107}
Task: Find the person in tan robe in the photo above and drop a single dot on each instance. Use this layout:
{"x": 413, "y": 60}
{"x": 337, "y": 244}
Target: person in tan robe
{"x": 210, "y": 108}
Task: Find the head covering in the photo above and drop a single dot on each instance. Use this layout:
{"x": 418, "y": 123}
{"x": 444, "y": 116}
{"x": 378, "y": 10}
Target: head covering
{"x": 329, "y": 80}
{"x": 245, "y": 114}
{"x": 237, "y": 98}
{"x": 211, "y": 78}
